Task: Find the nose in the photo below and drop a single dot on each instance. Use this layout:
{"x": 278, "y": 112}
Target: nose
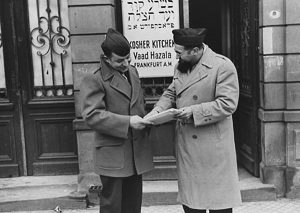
{"x": 126, "y": 62}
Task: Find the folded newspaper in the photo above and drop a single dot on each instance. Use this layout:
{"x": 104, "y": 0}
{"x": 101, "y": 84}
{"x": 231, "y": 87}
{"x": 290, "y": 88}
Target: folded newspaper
{"x": 163, "y": 117}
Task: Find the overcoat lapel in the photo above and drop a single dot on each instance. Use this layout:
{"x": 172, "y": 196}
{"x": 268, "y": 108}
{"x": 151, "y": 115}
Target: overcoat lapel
{"x": 196, "y": 75}
{"x": 135, "y": 86}
{"x": 120, "y": 84}
{"x": 199, "y": 72}
{"x": 117, "y": 80}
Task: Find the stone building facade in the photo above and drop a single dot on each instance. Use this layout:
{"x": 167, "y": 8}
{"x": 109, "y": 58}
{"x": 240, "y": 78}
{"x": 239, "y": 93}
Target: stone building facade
{"x": 279, "y": 94}
{"x": 279, "y": 102}
{"x": 40, "y": 120}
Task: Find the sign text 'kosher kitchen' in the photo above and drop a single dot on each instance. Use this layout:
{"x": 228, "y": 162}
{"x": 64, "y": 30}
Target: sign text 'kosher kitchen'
{"x": 148, "y": 25}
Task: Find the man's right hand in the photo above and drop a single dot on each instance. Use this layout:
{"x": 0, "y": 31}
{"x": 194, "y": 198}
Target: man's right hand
{"x": 136, "y": 122}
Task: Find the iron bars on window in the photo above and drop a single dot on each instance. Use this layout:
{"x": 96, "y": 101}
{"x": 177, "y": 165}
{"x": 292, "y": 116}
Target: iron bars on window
{"x": 50, "y": 38}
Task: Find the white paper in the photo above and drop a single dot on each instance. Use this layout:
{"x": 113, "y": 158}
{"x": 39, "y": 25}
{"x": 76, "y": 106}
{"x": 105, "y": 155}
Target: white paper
{"x": 163, "y": 117}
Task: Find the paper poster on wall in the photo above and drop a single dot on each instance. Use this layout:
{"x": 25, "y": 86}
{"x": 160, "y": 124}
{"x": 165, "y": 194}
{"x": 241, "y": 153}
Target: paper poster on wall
{"x": 148, "y": 25}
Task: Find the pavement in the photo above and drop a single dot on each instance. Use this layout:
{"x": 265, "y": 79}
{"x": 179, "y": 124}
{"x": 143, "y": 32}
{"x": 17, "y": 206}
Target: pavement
{"x": 279, "y": 206}
{"x": 37, "y": 193}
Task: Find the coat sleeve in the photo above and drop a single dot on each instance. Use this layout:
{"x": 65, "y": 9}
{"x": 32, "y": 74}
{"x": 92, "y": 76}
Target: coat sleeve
{"x": 226, "y": 97}
{"x": 93, "y": 108}
{"x": 167, "y": 99}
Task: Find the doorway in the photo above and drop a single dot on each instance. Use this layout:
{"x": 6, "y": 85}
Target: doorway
{"x": 233, "y": 32}
{"x": 36, "y": 132}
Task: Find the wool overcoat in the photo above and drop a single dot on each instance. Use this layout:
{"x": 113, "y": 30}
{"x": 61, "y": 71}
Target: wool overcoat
{"x": 205, "y": 148}
{"x": 107, "y": 101}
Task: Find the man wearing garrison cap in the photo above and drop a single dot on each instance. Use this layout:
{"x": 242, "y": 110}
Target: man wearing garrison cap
{"x": 113, "y": 106}
{"x": 205, "y": 91}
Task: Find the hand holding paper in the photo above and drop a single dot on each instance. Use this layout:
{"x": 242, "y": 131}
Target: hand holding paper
{"x": 184, "y": 113}
{"x": 136, "y": 122}
{"x": 150, "y": 114}
{"x": 162, "y": 117}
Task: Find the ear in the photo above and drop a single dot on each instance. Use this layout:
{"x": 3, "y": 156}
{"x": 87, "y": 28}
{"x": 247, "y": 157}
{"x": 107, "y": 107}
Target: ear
{"x": 196, "y": 50}
{"x": 106, "y": 59}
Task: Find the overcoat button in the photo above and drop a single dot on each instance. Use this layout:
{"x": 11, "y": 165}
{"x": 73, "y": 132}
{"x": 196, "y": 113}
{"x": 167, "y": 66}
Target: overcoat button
{"x": 195, "y": 97}
{"x": 195, "y": 136}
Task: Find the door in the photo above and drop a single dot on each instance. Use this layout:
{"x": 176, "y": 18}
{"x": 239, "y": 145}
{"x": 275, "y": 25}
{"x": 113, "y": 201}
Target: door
{"x": 232, "y": 31}
{"x": 11, "y": 156}
{"x": 37, "y": 107}
{"x": 246, "y": 118}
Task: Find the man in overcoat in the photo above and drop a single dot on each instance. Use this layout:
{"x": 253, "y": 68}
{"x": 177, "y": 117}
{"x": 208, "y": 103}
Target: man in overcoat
{"x": 113, "y": 106}
{"x": 205, "y": 89}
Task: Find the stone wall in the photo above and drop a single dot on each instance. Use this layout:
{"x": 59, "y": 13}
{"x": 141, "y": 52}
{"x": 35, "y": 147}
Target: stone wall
{"x": 89, "y": 21}
{"x": 279, "y": 112}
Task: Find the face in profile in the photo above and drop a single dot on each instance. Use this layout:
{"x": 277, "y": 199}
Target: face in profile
{"x": 185, "y": 58}
{"x": 182, "y": 53}
{"x": 119, "y": 63}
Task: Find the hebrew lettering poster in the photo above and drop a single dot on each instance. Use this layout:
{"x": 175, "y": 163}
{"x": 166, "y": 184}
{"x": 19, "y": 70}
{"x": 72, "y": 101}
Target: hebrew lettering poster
{"x": 148, "y": 25}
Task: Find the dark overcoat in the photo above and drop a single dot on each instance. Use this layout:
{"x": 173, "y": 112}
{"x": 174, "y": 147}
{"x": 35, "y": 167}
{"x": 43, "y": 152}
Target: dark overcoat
{"x": 107, "y": 101}
{"x": 206, "y": 156}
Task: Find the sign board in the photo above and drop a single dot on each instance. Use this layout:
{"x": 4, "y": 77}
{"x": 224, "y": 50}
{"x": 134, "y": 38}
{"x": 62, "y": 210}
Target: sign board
{"x": 148, "y": 25}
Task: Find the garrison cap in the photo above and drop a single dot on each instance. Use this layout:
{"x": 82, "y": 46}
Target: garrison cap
{"x": 116, "y": 43}
{"x": 189, "y": 36}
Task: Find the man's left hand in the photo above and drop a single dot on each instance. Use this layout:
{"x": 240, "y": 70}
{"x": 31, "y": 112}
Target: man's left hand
{"x": 184, "y": 113}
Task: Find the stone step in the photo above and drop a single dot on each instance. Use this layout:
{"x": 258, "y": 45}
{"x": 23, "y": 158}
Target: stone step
{"x": 165, "y": 192}
{"x": 38, "y": 193}
{"x": 47, "y": 192}
{"x": 252, "y": 189}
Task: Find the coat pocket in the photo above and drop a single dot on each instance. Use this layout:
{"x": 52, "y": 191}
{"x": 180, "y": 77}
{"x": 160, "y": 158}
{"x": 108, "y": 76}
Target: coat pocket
{"x": 107, "y": 140}
{"x": 110, "y": 157}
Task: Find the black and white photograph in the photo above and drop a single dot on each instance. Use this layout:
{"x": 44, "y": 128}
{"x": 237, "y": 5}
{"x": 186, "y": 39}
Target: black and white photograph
{"x": 149, "y": 106}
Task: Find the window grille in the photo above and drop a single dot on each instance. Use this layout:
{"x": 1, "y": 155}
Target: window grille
{"x": 154, "y": 87}
{"x": 51, "y": 50}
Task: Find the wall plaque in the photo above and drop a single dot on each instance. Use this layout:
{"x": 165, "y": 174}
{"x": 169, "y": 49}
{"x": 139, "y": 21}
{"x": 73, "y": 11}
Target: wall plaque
{"x": 148, "y": 25}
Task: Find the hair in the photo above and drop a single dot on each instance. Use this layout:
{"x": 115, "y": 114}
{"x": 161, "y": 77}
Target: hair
{"x": 107, "y": 52}
{"x": 187, "y": 47}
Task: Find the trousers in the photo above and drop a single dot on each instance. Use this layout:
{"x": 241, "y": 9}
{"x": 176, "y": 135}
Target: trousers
{"x": 121, "y": 194}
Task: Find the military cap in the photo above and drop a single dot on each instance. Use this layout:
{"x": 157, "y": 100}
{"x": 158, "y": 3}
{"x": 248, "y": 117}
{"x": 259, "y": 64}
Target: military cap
{"x": 116, "y": 43}
{"x": 189, "y": 36}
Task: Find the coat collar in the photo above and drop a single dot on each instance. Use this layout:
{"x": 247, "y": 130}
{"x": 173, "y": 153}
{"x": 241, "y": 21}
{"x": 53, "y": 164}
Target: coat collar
{"x": 200, "y": 71}
{"x": 208, "y": 57}
{"x": 135, "y": 85}
{"x": 117, "y": 81}
{"x": 106, "y": 71}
